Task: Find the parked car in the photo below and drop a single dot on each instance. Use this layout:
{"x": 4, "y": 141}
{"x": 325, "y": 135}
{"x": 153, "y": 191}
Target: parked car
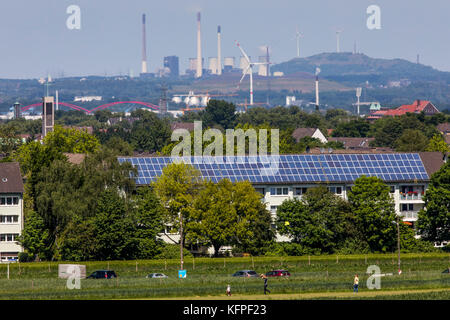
{"x": 278, "y": 273}
{"x": 245, "y": 273}
{"x": 156, "y": 275}
{"x": 102, "y": 274}
{"x": 446, "y": 270}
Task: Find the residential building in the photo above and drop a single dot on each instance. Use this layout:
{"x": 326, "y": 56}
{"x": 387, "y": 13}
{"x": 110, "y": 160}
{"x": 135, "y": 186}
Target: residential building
{"x": 11, "y": 210}
{"x": 353, "y": 143}
{"x": 407, "y": 174}
{"x": 417, "y": 107}
{"x": 300, "y": 133}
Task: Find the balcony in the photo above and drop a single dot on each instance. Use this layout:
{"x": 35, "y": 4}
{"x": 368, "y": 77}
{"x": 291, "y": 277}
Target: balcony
{"x": 411, "y": 196}
{"x": 409, "y": 215}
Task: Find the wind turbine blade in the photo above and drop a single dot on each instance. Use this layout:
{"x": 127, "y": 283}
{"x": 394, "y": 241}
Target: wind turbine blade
{"x": 243, "y": 52}
{"x": 245, "y": 73}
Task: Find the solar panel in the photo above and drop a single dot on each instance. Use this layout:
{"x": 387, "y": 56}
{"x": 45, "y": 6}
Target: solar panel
{"x": 291, "y": 168}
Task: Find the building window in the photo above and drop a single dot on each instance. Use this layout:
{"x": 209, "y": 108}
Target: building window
{"x": 260, "y": 190}
{"x": 279, "y": 191}
{"x": 9, "y": 219}
{"x": 8, "y": 237}
{"x": 273, "y": 209}
{"x": 392, "y": 189}
{"x": 9, "y": 201}
{"x": 407, "y": 207}
{"x": 335, "y": 190}
{"x": 300, "y": 191}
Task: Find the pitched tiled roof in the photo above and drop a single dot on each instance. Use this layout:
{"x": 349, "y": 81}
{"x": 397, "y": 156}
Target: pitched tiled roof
{"x": 444, "y": 127}
{"x": 353, "y": 143}
{"x": 10, "y": 178}
{"x": 303, "y": 132}
{"x": 417, "y": 107}
{"x": 432, "y": 161}
{"x": 182, "y": 125}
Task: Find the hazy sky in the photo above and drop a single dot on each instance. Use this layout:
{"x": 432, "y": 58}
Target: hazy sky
{"x": 34, "y": 39}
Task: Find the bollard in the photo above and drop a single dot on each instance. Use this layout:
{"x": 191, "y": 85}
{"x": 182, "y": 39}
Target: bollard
{"x": 337, "y": 259}
{"x": 309, "y": 260}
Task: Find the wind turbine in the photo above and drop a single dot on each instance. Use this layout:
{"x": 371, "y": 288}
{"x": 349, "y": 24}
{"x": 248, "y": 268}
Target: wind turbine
{"x": 298, "y": 35}
{"x": 338, "y": 34}
{"x": 249, "y": 68}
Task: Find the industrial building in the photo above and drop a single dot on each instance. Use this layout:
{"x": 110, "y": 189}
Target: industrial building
{"x": 11, "y": 210}
{"x": 283, "y": 177}
{"x": 172, "y": 63}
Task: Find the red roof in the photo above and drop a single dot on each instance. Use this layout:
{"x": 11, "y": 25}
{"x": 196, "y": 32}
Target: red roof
{"x": 417, "y": 107}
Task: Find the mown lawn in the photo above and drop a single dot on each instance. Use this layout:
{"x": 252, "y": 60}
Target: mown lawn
{"x": 210, "y": 276}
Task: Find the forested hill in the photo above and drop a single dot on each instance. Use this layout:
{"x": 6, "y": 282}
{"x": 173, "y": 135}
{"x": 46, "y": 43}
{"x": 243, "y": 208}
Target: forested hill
{"x": 356, "y": 68}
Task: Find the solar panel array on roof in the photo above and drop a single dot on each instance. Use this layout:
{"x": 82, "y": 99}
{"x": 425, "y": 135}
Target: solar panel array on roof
{"x": 323, "y": 168}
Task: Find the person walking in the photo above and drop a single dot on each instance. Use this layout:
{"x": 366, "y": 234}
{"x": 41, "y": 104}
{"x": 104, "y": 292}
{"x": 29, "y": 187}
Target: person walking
{"x": 229, "y": 290}
{"x": 265, "y": 283}
{"x": 355, "y": 284}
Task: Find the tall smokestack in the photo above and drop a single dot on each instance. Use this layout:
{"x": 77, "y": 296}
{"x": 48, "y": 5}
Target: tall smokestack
{"x": 219, "y": 52}
{"x": 317, "y": 88}
{"x": 144, "y": 46}
{"x": 199, "y": 48}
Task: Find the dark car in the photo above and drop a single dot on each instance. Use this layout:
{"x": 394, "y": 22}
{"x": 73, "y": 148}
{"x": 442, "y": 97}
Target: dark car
{"x": 278, "y": 273}
{"x": 446, "y": 270}
{"x": 102, "y": 274}
{"x": 245, "y": 273}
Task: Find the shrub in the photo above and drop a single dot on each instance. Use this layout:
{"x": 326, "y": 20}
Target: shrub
{"x": 172, "y": 251}
{"x": 25, "y": 257}
{"x": 290, "y": 249}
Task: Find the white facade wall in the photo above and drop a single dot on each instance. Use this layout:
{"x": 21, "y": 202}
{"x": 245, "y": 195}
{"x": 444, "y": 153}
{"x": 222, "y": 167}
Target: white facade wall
{"x": 10, "y": 248}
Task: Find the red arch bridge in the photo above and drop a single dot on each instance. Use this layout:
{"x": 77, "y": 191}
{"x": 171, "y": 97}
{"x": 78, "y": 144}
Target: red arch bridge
{"x": 104, "y": 106}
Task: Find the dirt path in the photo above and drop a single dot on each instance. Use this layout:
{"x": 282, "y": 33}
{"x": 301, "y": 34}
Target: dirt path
{"x": 312, "y": 295}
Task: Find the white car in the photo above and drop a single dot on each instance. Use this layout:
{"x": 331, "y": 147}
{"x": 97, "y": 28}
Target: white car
{"x": 156, "y": 275}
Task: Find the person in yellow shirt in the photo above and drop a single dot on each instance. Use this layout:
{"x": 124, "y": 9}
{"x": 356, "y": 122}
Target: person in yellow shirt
{"x": 355, "y": 284}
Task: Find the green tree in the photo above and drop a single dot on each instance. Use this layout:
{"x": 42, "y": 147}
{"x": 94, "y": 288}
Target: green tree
{"x": 319, "y": 220}
{"x": 230, "y": 214}
{"x": 71, "y": 140}
{"x": 374, "y": 211}
{"x": 34, "y": 237}
{"x": 355, "y": 128}
{"x": 434, "y": 220}
{"x": 220, "y": 112}
{"x": 113, "y": 228}
{"x": 149, "y": 133}
{"x": 177, "y": 188}
{"x": 411, "y": 140}
{"x": 149, "y": 223}
{"x": 254, "y": 232}
{"x": 437, "y": 143}
{"x": 214, "y": 219}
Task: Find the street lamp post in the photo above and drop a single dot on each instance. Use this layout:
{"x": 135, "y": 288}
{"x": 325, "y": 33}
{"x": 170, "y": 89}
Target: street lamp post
{"x": 398, "y": 242}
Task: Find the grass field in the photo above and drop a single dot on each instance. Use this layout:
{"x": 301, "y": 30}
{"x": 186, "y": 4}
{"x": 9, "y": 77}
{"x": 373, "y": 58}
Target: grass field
{"x": 315, "y": 277}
